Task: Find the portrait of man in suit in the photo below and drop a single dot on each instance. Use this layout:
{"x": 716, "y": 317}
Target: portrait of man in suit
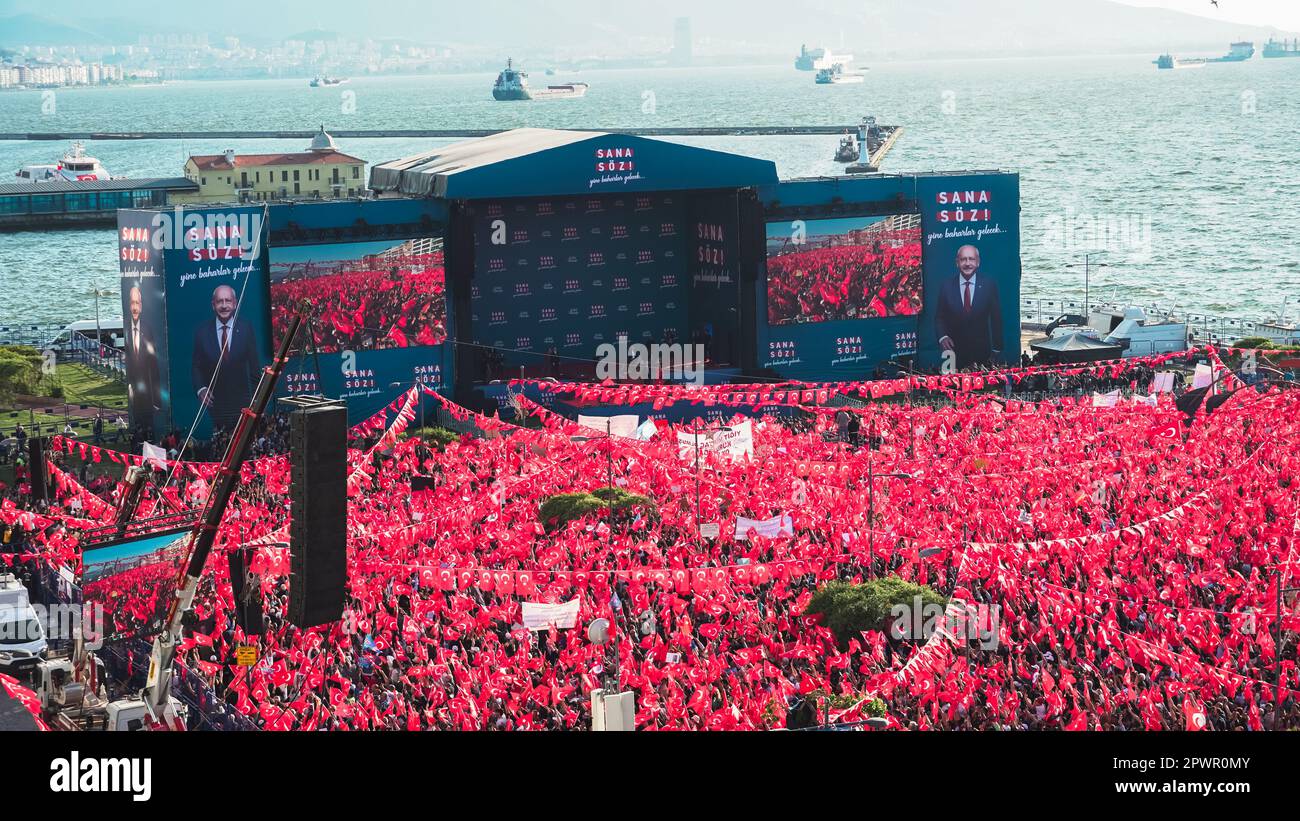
{"x": 142, "y": 387}
{"x": 230, "y": 344}
{"x": 968, "y": 320}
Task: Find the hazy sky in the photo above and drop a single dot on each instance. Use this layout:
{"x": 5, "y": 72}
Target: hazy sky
{"x": 1281, "y": 13}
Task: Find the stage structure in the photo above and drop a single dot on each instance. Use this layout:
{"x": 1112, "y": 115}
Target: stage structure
{"x": 522, "y": 253}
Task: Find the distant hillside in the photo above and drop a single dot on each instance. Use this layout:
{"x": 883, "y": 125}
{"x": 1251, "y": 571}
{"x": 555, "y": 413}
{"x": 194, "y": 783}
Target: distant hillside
{"x": 40, "y": 30}
{"x": 874, "y": 28}
{"x": 34, "y": 30}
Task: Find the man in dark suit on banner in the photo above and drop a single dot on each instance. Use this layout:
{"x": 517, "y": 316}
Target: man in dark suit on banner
{"x": 232, "y": 344}
{"x": 968, "y": 321}
{"x": 141, "y": 366}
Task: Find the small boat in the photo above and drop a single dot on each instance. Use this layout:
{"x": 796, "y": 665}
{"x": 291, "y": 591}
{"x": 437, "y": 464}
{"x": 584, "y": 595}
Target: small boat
{"x": 76, "y": 165}
{"x": 317, "y": 82}
{"x": 836, "y": 75}
{"x": 848, "y": 150}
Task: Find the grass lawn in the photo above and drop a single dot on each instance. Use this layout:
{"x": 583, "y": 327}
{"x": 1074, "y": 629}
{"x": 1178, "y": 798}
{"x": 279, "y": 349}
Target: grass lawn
{"x": 83, "y": 386}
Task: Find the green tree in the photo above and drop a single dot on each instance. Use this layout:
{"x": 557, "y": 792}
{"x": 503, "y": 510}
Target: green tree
{"x": 848, "y": 609}
{"x": 20, "y": 370}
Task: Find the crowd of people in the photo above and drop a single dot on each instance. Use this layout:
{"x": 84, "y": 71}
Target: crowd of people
{"x": 371, "y": 304}
{"x": 844, "y": 282}
{"x": 1133, "y": 574}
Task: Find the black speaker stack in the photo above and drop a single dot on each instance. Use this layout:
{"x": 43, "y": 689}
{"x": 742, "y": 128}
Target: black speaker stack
{"x": 36, "y": 468}
{"x": 318, "y": 526}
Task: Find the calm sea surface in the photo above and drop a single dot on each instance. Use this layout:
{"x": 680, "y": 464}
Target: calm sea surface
{"x": 1189, "y": 180}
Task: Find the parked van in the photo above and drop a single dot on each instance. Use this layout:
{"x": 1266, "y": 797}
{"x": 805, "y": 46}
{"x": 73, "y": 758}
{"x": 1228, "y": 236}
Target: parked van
{"x": 22, "y": 636}
{"x": 76, "y": 335}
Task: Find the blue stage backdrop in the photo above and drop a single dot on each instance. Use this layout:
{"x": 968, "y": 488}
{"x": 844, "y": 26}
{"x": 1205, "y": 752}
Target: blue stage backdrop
{"x": 572, "y": 273}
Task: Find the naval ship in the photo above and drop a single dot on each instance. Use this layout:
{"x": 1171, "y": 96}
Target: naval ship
{"x": 512, "y": 84}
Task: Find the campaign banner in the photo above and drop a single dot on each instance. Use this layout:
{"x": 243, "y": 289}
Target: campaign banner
{"x": 767, "y": 528}
{"x": 541, "y": 616}
{"x": 144, "y": 312}
{"x": 971, "y": 256}
{"x": 714, "y": 266}
{"x": 734, "y": 441}
{"x": 558, "y": 277}
{"x": 133, "y": 581}
{"x": 218, "y": 327}
{"x": 624, "y": 426}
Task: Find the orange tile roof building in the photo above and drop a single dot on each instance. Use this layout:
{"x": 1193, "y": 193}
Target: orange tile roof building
{"x": 320, "y": 172}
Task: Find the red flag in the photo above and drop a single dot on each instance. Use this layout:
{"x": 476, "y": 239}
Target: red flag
{"x": 1194, "y": 714}
{"x": 1166, "y": 432}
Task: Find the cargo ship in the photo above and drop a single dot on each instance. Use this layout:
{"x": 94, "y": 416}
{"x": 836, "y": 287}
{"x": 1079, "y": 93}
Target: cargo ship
{"x": 836, "y": 75}
{"x": 818, "y": 59}
{"x": 1237, "y": 53}
{"x": 1168, "y": 61}
{"x": 1278, "y": 48}
{"x": 512, "y": 84}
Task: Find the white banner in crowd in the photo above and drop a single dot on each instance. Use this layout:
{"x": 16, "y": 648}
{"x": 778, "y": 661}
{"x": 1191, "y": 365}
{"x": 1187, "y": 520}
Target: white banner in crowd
{"x": 767, "y": 528}
{"x": 735, "y": 441}
{"x": 647, "y": 431}
{"x": 1105, "y": 400}
{"x": 624, "y": 426}
{"x": 540, "y": 616}
{"x": 710, "y": 530}
{"x": 1163, "y": 383}
{"x": 1203, "y": 378}
{"x": 155, "y": 454}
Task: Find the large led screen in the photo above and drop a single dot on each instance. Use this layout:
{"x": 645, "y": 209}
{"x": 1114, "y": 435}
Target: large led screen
{"x": 364, "y": 296}
{"x": 846, "y": 268}
{"x": 133, "y": 582}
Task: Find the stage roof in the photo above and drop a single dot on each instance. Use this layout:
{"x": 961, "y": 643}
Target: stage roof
{"x": 536, "y": 162}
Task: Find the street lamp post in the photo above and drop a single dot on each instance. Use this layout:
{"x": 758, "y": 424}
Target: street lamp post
{"x": 1277, "y": 652}
{"x": 871, "y": 505}
{"x": 1087, "y": 270}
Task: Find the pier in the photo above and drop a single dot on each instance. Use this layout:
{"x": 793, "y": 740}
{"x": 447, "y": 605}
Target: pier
{"x": 439, "y": 133}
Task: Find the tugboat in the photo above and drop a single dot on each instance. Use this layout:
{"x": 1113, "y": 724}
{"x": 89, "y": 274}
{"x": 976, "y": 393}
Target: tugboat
{"x": 835, "y": 75}
{"x": 512, "y": 84}
{"x": 75, "y": 166}
{"x": 848, "y": 150}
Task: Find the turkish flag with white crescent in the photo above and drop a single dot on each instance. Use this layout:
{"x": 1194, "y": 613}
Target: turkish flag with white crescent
{"x": 1169, "y": 431}
{"x": 1194, "y": 713}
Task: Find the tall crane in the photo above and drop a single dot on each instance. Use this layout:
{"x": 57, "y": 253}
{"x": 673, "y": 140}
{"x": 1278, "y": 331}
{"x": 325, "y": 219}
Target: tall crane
{"x": 160, "y": 710}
